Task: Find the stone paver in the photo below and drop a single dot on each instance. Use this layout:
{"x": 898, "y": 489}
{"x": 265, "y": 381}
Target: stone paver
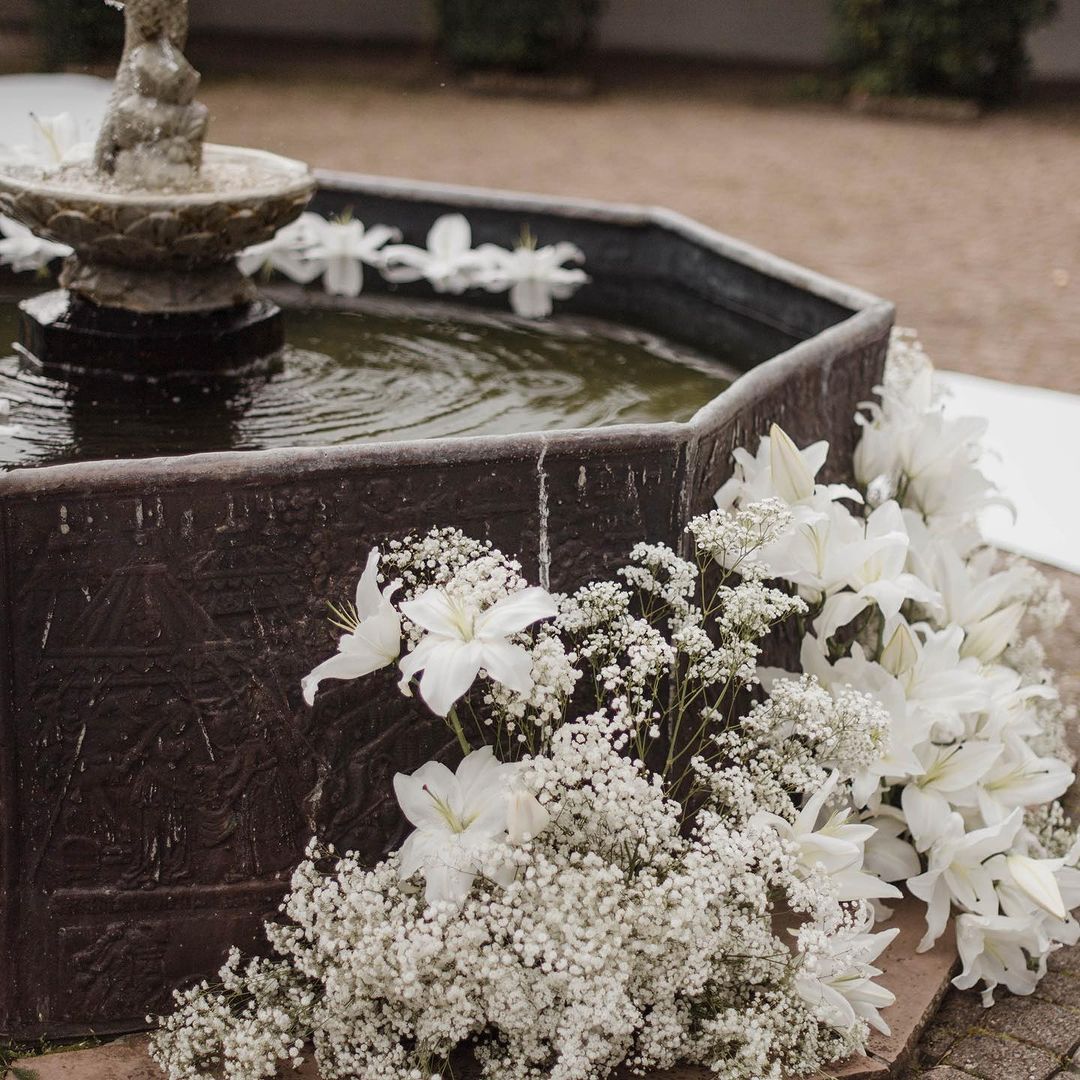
{"x": 992, "y": 1058}
{"x": 1060, "y": 987}
{"x": 1042, "y": 1023}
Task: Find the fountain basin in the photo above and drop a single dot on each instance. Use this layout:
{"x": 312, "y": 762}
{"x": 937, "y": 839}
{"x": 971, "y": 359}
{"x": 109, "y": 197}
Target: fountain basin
{"x": 161, "y": 252}
{"x": 159, "y": 772}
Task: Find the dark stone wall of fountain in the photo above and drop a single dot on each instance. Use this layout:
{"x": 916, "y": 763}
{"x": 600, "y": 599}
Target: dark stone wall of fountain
{"x": 159, "y": 773}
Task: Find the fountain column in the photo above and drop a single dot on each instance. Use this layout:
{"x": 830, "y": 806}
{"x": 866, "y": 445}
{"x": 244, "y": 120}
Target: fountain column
{"x": 155, "y": 221}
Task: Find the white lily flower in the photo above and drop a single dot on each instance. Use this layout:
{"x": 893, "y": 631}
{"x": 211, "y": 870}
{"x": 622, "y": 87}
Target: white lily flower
{"x": 460, "y": 821}
{"x": 995, "y": 950}
{"x": 57, "y": 142}
{"x": 887, "y": 854}
{"x": 970, "y": 591}
{"x": 901, "y": 651}
{"x": 837, "y": 846}
{"x": 907, "y": 728}
{"x": 526, "y": 818}
{"x": 987, "y": 639}
{"x": 343, "y": 247}
{"x": 791, "y": 476}
{"x": 448, "y": 263}
{"x": 840, "y": 987}
{"x": 462, "y": 640}
{"x": 814, "y": 553}
{"x": 373, "y": 642}
{"x": 959, "y": 872}
{"x": 773, "y": 473}
{"x": 1011, "y": 712}
{"x": 1021, "y": 778}
{"x": 535, "y": 276}
{"x": 950, "y": 774}
{"x": 876, "y": 574}
{"x": 1037, "y": 880}
{"x": 942, "y": 687}
{"x": 289, "y": 251}
{"x": 23, "y": 251}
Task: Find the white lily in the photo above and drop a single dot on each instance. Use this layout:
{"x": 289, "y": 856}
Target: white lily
{"x": 23, "y": 251}
{"x": 995, "y": 950}
{"x": 374, "y": 640}
{"x": 949, "y": 774}
{"x": 460, "y": 821}
{"x": 876, "y": 574}
{"x": 837, "y": 846}
{"x": 448, "y": 263}
{"x": 1021, "y": 778}
{"x": 288, "y": 251}
{"x": 987, "y": 639}
{"x": 342, "y": 249}
{"x": 535, "y": 276}
{"x": 1036, "y": 880}
{"x": 840, "y": 987}
{"x": 56, "y": 142}
{"x": 941, "y": 686}
{"x": 780, "y": 470}
{"x": 526, "y": 817}
{"x": 462, "y": 640}
{"x": 961, "y": 871}
{"x": 907, "y": 728}
{"x": 887, "y": 854}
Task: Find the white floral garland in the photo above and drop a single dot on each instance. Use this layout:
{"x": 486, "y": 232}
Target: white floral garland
{"x": 552, "y": 909}
{"x": 337, "y": 250}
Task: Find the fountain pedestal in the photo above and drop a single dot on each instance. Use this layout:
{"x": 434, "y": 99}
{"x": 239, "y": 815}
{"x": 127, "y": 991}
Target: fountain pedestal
{"x": 62, "y": 330}
{"x": 152, "y": 269}
{"x": 155, "y": 221}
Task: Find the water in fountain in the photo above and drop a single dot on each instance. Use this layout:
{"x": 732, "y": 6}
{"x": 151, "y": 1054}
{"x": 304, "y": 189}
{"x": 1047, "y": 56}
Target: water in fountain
{"x": 385, "y": 369}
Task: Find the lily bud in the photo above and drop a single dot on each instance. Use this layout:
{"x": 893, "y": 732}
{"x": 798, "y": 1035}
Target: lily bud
{"x": 901, "y": 653}
{"x": 987, "y": 639}
{"x": 525, "y": 817}
{"x": 1035, "y": 879}
{"x": 791, "y": 478}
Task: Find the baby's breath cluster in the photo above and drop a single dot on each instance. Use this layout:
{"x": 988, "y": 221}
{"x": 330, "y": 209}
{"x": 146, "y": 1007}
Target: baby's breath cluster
{"x": 597, "y": 885}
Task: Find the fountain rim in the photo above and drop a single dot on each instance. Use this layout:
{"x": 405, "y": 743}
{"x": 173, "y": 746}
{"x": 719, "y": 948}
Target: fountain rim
{"x": 870, "y": 317}
{"x": 283, "y": 176}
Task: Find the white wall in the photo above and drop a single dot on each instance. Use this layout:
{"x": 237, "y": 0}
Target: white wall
{"x": 781, "y": 30}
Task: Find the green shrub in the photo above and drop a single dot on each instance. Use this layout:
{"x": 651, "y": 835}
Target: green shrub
{"x": 522, "y": 35}
{"x": 954, "y": 48}
{"x": 78, "y": 31}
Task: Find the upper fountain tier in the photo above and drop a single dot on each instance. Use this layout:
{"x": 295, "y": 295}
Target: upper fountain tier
{"x": 155, "y": 223}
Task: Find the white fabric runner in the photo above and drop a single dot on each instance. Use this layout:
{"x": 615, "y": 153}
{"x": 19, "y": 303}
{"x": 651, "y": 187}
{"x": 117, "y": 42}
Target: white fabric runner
{"x": 1034, "y": 442}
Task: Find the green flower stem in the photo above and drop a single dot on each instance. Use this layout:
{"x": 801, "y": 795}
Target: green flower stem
{"x": 455, "y": 726}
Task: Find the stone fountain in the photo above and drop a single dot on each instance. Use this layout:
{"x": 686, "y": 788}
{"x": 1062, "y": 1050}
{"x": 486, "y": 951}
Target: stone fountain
{"x": 155, "y": 221}
{"x": 159, "y": 772}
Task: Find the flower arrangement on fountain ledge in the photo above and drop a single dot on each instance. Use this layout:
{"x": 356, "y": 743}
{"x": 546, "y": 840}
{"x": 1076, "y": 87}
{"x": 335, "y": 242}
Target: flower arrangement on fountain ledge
{"x": 653, "y": 850}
